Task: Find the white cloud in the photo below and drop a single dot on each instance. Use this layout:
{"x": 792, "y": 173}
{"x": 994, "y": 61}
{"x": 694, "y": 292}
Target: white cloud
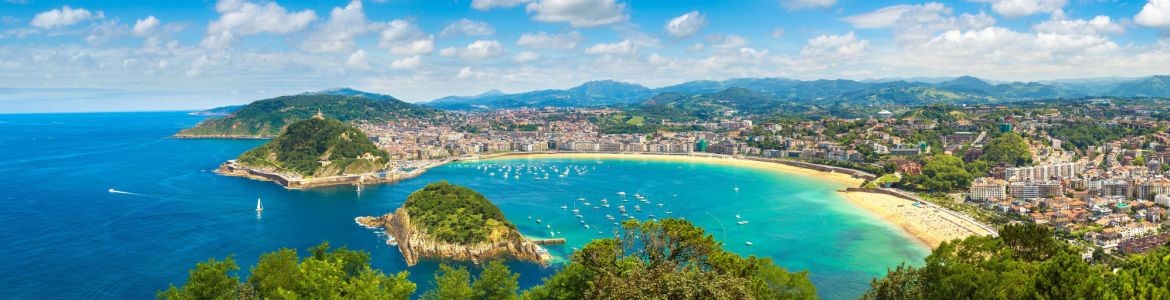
{"x": 146, "y": 27}
{"x": 1098, "y": 25}
{"x": 727, "y": 42}
{"x": 105, "y": 31}
{"x": 526, "y": 57}
{"x": 544, "y": 40}
{"x": 1156, "y": 13}
{"x": 686, "y": 25}
{"x": 579, "y": 13}
{"x": 478, "y": 50}
{"x": 467, "y": 73}
{"x": 239, "y": 18}
{"x": 358, "y": 60}
{"x": 881, "y": 18}
{"x": 63, "y": 16}
{"x": 807, "y": 4}
{"x": 835, "y": 45}
{"x": 777, "y": 33}
{"x": 345, "y": 25}
{"x": 465, "y": 27}
{"x": 619, "y": 48}
{"x": 406, "y": 63}
{"x": 489, "y": 4}
{"x": 1021, "y": 8}
{"x": 404, "y": 38}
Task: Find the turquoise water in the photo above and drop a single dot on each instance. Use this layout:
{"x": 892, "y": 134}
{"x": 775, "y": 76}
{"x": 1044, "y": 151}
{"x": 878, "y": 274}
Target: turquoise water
{"x": 66, "y": 236}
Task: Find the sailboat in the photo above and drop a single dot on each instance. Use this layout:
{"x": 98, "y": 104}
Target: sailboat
{"x": 259, "y": 206}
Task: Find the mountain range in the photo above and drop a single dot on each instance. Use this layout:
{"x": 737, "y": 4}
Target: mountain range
{"x": 965, "y": 89}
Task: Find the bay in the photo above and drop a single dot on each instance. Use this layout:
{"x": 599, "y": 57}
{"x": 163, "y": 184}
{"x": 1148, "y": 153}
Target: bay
{"x": 66, "y": 236}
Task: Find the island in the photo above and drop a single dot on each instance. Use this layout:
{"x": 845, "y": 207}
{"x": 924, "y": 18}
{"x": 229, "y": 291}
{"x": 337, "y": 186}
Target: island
{"x": 448, "y": 221}
{"x": 315, "y": 152}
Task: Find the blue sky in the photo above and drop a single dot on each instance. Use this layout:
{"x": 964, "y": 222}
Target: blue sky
{"x": 115, "y": 55}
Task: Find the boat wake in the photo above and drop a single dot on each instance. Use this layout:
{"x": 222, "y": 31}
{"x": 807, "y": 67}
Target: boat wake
{"x": 113, "y": 191}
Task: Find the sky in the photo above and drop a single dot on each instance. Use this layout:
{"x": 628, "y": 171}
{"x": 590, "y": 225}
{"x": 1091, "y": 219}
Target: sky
{"x": 173, "y": 55}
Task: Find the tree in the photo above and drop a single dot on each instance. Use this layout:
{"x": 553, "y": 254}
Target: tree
{"x": 450, "y": 284}
{"x": 209, "y": 280}
{"x": 943, "y": 173}
{"x": 495, "y": 282}
{"x": 1008, "y": 148}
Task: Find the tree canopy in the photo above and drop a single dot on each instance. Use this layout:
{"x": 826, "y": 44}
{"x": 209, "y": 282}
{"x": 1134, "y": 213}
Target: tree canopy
{"x": 455, "y": 214}
{"x": 1025, "y": 262}
{"x": 303, "y": 146}
{"x": 1007, "y": 148}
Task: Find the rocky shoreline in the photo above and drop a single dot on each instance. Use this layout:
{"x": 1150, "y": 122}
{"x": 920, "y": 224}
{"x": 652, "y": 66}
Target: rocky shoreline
{"x": 292, "y": 182}
{"x": 415, "y": 244}
{"x": 223, "y": 136}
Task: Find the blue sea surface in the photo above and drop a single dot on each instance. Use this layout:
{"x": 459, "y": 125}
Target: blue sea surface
{"x": 65, "y": 235}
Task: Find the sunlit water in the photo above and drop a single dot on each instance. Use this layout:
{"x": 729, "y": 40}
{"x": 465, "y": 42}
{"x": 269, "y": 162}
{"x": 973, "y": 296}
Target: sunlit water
{"x": 67, "y": 236}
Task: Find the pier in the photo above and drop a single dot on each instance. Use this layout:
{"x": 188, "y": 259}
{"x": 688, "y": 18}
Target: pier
{"x": 553, "y": 241}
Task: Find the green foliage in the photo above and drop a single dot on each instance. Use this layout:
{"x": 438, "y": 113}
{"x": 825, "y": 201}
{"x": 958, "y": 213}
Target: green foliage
{"x": 450, "y": 284}
{"x": 326, "y": 274}
{"x": 306, "y": 143}
{"x": 669, "y": 259}
{"x": 212, "y": 279}
{"x": 269, "y": 117}
{"x": 454, "y": 214}
{"x": 1026, "y": 262}
{"x": 1008, "y": 148}
{"x": 495, "y": 282}
{"x": 942, "y": 173}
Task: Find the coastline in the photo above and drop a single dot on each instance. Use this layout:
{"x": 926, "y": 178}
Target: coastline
{"x": 929, "y": 225}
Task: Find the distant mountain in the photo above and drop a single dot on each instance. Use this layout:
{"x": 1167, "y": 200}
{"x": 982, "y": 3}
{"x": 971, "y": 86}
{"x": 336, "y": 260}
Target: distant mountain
{"x": 964, "y": 89}
{"x": 267, "y": 118}
{"x": 593, "y": 93}
{"x": 218, "y": 111}
{"x": 1155, "y": 86}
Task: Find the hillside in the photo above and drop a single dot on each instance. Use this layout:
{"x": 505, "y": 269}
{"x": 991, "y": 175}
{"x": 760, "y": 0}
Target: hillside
{"x": 266, "y": 118}
{"x": 447, "y": 221}
{"x": 317, "y": 147}
{"x": 960, "y": 90}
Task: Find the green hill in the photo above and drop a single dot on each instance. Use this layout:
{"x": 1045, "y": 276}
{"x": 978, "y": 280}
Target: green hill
{"x": 266, "y": 118}
{"x": 456, "y": 214}
{"x": 317, "y": 147}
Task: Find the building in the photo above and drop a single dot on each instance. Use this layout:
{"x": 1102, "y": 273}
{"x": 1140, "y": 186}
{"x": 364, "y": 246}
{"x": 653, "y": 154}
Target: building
{"x": 1143, "y": 244}
{"x": 1044, "y": 172}
{"x": 1035, "y": 189}
{"x": 986, "y": 188}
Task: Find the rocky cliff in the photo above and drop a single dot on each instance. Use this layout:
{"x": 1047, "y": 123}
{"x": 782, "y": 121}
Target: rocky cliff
{"x": 415, "y": 244}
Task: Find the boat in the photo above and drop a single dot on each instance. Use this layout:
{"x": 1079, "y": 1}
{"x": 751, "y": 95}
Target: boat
{"x": 748, "y": 243}
{"x": 586, "y": 226}
{"x": 259, "y": 206}
{"x": 112, "y": 190}
{"x": 582, "y": 221}
{"x": 661, "y": 205}
{"x": 575, "y": 210}
{"x": 637, "y": 208}
{"x": 564, "y": 207}
{"x": 742, "y": 222}
{"x": 537, "y": 221}
{"x": 621, "y": 193}
{"x": 737, "y": 216}
{"x": 580, "y": 216}
{"x": 736, "y": 189}
{"x": 609, "y": 217}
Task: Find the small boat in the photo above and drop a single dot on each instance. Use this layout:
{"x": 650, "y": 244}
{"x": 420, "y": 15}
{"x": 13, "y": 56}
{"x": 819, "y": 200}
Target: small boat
{"x": 586, "y": 226}
{"x": 621, "y": 193}
{"x": 737, "y": 216}
{"x": 668, "y": 212}
{"x": 748, "y": 243}
{"x": 736, "y": 189}
{"x": 661, "y": 205}
{"x": 537, "y": 221}
{"x": 112, "y": 190}
{"x": 575, "y": 210}
{"x": 582, "y": 221}
{"x": 259, "y": 206}
{"x": 609, "y": 217}
{"x": 742, "y": 222}
{"x": 564, "y": 207}
{"x": 637, "y": 208}
{"x": 580, "y": 216}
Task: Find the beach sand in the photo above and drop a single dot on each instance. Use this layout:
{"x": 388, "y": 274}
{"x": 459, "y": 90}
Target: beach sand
{"x": 930, "y": 226}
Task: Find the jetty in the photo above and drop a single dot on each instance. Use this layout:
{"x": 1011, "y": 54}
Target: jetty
{"x": 552, "y": 241}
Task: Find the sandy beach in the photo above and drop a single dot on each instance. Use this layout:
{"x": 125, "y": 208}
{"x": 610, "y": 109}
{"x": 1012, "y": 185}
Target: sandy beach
{"x": 930, "y": 226}
{"x": 839, "y": 178}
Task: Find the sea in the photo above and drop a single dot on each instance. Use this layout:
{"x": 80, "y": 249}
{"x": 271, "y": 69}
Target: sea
{"x": 109, "y": 206}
